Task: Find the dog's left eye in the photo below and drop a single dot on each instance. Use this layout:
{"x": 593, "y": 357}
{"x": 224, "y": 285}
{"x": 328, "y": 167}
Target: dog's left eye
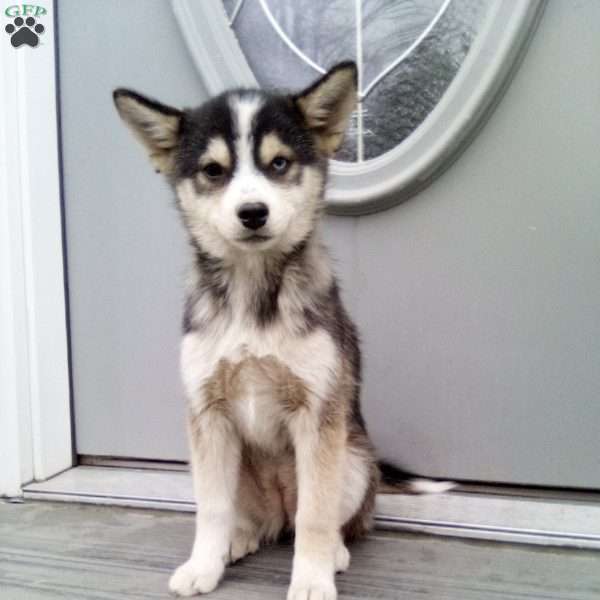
{"x": 280, "y": 164}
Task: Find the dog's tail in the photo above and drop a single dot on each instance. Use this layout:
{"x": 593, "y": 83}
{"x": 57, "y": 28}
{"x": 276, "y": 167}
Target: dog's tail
{"x": 395, "y": 481}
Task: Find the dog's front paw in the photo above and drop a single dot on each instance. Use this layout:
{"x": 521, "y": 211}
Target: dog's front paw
{"x": 315, "y": 591}
{"x": 194, "y": 577}
{"x": 313, "y": 578}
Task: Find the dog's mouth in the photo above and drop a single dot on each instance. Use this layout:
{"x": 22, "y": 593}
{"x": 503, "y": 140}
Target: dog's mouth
{"x": 255, "y": 238}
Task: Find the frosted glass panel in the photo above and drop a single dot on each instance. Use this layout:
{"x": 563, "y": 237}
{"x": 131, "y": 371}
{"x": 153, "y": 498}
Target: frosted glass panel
{"x": 410, "y": 51}
{"x": 388, "y": 30}
{"x": 274, "y": 64}
{"x": 230, "y": 6}
{"x": 401, "y": 101}
{"x": 323, "y": 31}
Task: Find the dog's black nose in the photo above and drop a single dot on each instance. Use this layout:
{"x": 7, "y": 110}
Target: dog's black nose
{"x": 253, "y": 215}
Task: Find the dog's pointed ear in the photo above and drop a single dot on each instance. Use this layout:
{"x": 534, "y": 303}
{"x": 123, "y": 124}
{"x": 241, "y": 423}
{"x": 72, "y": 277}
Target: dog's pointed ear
{"x": 155, "y": 125}
{"x": 328, "y": 103}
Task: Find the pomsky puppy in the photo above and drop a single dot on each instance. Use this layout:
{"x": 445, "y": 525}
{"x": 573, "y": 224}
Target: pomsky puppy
{"x": 269, "y": 358}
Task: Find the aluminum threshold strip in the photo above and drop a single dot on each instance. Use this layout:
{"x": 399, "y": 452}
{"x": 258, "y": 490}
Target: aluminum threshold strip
{"x": 489, "y": 532}
{"x": 549, "y": 522}
{"x": 383, "y": 522}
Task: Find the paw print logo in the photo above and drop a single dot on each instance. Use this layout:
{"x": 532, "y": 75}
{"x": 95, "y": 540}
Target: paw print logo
{"x": 24, "y": 32}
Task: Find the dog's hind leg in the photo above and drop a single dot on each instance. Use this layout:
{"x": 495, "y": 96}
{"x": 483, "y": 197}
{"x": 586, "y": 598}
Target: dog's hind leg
{"x": 260, "y": 514}
{"x": 246, "y": 540}
{"x": 249, "y": 513}
{"x": 358, "y": 496}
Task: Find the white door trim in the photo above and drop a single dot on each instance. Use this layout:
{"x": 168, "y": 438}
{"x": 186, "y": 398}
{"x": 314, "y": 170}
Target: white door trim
{"x": 35, "y": 413}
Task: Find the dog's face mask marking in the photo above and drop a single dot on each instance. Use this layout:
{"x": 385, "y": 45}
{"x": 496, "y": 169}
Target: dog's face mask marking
{"x": 248, "y": 167}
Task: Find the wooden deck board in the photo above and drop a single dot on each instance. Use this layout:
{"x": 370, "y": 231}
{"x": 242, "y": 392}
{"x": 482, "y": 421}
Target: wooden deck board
{"x": 51, "y": 551}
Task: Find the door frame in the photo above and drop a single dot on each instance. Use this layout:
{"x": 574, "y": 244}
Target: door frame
{"x": 36, "y": 440}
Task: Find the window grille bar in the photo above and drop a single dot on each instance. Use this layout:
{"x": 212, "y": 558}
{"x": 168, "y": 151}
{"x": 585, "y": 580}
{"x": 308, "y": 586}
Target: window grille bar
{"x": 408, "y": 51}
{"x": 235, "y": 12}
{"x": 275, "y": 25}
{"x": 359, "y": 66}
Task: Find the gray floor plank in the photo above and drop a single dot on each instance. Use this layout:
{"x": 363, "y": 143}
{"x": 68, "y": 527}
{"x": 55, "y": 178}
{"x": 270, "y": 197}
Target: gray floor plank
{"x": 50, "y": 551}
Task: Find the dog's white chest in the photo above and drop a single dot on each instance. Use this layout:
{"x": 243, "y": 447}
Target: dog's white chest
{"x": 261, "y": 375}
{"x": 256, "y": 402}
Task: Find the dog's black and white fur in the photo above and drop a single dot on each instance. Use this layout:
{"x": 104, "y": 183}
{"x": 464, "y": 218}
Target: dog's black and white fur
{"x": 270, "y": 359}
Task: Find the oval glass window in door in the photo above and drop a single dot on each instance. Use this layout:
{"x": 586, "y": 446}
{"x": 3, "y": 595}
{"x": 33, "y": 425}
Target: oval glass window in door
{"x": 429, "y": 72}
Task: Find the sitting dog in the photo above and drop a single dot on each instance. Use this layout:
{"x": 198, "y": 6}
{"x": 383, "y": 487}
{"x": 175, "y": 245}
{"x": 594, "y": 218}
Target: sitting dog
{"x": 269, "y": 358}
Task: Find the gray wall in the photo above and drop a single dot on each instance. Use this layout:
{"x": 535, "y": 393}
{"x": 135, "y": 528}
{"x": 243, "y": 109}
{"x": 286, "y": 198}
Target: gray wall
{"x": 477, "y": 299}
